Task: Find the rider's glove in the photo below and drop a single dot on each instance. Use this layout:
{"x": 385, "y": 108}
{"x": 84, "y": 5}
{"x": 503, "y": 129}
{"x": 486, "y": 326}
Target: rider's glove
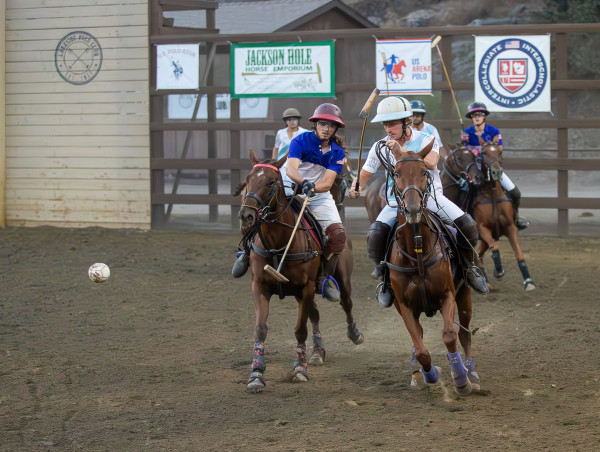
{"x": 308, "y": 188}
{"x": 464, "y": 137}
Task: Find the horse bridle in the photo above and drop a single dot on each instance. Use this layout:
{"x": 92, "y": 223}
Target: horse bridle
{"x": 459, "y": 179}
{"x": 264, "y": 205}
{"x": 488, "y": 164}
{"x": 424, "y": 196}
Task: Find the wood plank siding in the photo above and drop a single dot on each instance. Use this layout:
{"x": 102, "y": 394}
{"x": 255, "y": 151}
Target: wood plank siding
{"x": 77, "y": 155}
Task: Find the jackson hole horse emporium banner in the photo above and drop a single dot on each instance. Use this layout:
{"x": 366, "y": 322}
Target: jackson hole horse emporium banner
{"x": 303, "y": 69}
{"x": 513, "y": 73}
{"x": 403, "y": 66}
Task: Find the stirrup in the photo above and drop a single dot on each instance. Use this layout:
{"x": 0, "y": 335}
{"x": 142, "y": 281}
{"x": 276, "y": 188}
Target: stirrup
{"x": 385, "y": 295}
{"x": 476, "y": 280}
{"x": 240, "y": 267}
{"x": 329, "y": 291}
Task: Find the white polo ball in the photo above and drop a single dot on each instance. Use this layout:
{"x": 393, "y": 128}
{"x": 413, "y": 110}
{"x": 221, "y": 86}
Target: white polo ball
{"x": 99, "y": 272}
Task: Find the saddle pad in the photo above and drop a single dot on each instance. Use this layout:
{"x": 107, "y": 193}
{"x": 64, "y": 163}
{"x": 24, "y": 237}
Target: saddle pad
{"x": 308, "y": 221}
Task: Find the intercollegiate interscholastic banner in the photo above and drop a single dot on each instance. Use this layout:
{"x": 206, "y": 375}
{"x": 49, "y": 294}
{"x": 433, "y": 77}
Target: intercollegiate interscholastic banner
{"x": 403, "y": 66}
{"x": 302, "y": 69}
{"x": 177, "y": 66}
{"x": 513, "y": 73}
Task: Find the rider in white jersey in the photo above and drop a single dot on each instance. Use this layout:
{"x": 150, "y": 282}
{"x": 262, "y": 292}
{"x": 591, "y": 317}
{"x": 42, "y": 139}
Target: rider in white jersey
{"x": 418, "y": 118}
{"x": 395, "y": 113}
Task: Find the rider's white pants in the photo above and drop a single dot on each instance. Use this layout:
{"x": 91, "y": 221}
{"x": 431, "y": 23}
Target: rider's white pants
{"x": 438, "y": 203}
{"x": 323, "y": 208}
{"x": 506, "y": 183}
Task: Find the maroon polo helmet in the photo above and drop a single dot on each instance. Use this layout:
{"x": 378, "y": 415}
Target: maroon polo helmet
{"x": 328, "y": 112}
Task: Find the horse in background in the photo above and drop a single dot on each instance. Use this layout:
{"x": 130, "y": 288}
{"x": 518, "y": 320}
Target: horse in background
{"x": 426, "y": 274}
{"x": 267, "y": 215}
{"x": 460, "y": 176}
{"x": 493, "y": 212}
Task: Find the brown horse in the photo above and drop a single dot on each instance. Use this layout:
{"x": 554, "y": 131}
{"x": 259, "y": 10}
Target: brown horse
{"x": 267, "y": 213}
{"x": 426, "y": 275}
{"x": 375, "y": 197}
{"x": 493, "y": 212}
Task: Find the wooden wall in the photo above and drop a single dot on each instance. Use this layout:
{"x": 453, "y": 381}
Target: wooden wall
{"x": 77, "y": 155}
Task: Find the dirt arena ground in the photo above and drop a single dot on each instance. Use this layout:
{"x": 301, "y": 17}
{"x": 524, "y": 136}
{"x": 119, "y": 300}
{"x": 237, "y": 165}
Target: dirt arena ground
{"x": 157, "y": 358}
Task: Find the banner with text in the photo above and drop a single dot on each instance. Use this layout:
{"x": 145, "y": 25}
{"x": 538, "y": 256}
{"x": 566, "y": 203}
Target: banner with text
{"x": 403, "y": 66}
{"x": 303, "y": 69}
{"x": 177, "y": 66}
{"x": 513, "y": 73}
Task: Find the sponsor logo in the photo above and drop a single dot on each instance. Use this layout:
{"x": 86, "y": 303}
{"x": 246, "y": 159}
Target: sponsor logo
{"x": 512, "y": 73}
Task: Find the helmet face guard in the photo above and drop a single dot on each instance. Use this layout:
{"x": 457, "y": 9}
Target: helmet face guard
{"x": 328, "y": 112}
{"x": 475, "y": 107}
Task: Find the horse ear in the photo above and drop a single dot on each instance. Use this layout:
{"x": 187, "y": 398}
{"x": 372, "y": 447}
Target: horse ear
{"x": 281, "y": 161}
{"x": 253, "y": 158}
{"x": 423, "y": 152}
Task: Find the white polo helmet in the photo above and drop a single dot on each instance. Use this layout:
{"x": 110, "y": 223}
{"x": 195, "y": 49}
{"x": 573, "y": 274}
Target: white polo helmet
{"x": 392, "y": 108}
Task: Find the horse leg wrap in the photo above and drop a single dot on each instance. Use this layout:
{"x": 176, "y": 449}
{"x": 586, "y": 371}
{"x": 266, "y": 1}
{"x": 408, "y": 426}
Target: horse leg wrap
{"x": 300, "y": 364}
{"x": 524, "y": 271}
{"x": 472, "y": 373}
{"x": 258, "y": 360}
{"x": 432, "y": 376}
{"x": 497, "y": 261}
{"x": 458, "y": 369}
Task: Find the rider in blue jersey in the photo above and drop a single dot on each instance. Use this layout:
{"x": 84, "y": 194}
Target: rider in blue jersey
{"x": 481, "y": 132}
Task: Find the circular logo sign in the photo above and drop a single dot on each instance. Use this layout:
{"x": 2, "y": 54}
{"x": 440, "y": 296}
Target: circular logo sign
{"x": 78, "y": 58}
{"x": 512, "y": 73}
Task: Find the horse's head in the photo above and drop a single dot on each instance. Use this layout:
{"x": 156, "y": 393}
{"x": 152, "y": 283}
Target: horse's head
{"x": 264, "y": 186}
{"x": 491, "y": 155}
{"x": 411, "y": 178}
{"x": 464, "y": 163}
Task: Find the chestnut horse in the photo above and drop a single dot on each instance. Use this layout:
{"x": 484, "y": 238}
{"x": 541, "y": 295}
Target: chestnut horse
{"x": 493, "y": 212}
{"x": 426, "y": 275}
{"x": 267, "y": 213}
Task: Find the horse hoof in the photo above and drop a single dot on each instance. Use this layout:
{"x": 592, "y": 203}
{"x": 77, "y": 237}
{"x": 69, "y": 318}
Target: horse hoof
{"x": 357, "y": 340}
{"x": 530, "y": 286}
{"x": 299, "y": 375}
{"x": 417, "y": 382}
{"x": 464, "y": 390}
{"x": 498, "y": 275}
{"x": 316, "y": 359}
{"x": 255, "y": 385}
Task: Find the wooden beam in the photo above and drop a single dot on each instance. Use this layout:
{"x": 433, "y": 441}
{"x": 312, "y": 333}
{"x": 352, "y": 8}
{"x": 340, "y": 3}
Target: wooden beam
{"x": 2, "y": 114}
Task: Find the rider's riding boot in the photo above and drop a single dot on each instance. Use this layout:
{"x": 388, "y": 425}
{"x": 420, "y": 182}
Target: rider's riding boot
{"x": 376, "y": 251}
{"x": 242, "y": 262}
{"x": 515, "y": 197}
{"x": 377, "y": 246}
{"x": 467, "y": 237}
{"x": 329, "y": 286}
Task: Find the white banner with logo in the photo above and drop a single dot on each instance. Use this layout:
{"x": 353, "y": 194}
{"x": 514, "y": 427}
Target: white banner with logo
{"x": 403, "y": 66}
{"x": 512, "y": 73}
{"x": 303, "y": 69}
{"x": 181, "y": 106}
{"x": 177, "y": 66}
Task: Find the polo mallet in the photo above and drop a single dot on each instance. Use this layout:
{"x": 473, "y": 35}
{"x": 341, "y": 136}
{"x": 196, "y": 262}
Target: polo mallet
{"x": 275, "y": 273}
{"x": 385, "y": 69}
{"x": 364, "y": 113}
{"x": 435, "y": 44}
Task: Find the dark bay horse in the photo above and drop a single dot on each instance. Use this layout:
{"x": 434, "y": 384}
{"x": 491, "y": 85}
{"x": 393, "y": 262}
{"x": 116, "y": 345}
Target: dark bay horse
{"x": 267, "y": 213}
{"x": 375, "y": 196}
{"x": 493, "y": 212}
{"x": 426, "y": 275}
{"x": 459, "y": 175}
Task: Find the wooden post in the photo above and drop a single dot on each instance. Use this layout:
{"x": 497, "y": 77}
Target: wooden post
{"x": 562, "y": 133}
{"x": 234, "y": 144}
{"x": 2, "y": 116}
{"x": 447, "y": 104}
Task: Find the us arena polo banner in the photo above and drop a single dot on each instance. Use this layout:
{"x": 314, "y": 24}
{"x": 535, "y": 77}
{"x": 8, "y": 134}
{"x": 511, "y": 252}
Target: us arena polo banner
{"x": 177, "y": 66}
{"x": 303, "y": 69}
{"x": 403, "y": 66}
{"x": 513, "y": 73}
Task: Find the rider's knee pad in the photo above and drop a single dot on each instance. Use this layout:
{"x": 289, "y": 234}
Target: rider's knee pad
{"x": 468, "y": 228}
{"x": 377, "y": 241}
{"x": 337, "y": 237}
{"x": 515, "y": 196}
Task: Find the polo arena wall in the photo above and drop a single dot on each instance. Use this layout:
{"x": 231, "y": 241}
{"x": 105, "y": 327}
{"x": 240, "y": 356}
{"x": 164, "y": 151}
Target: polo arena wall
{"x": 77, "y": 155}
